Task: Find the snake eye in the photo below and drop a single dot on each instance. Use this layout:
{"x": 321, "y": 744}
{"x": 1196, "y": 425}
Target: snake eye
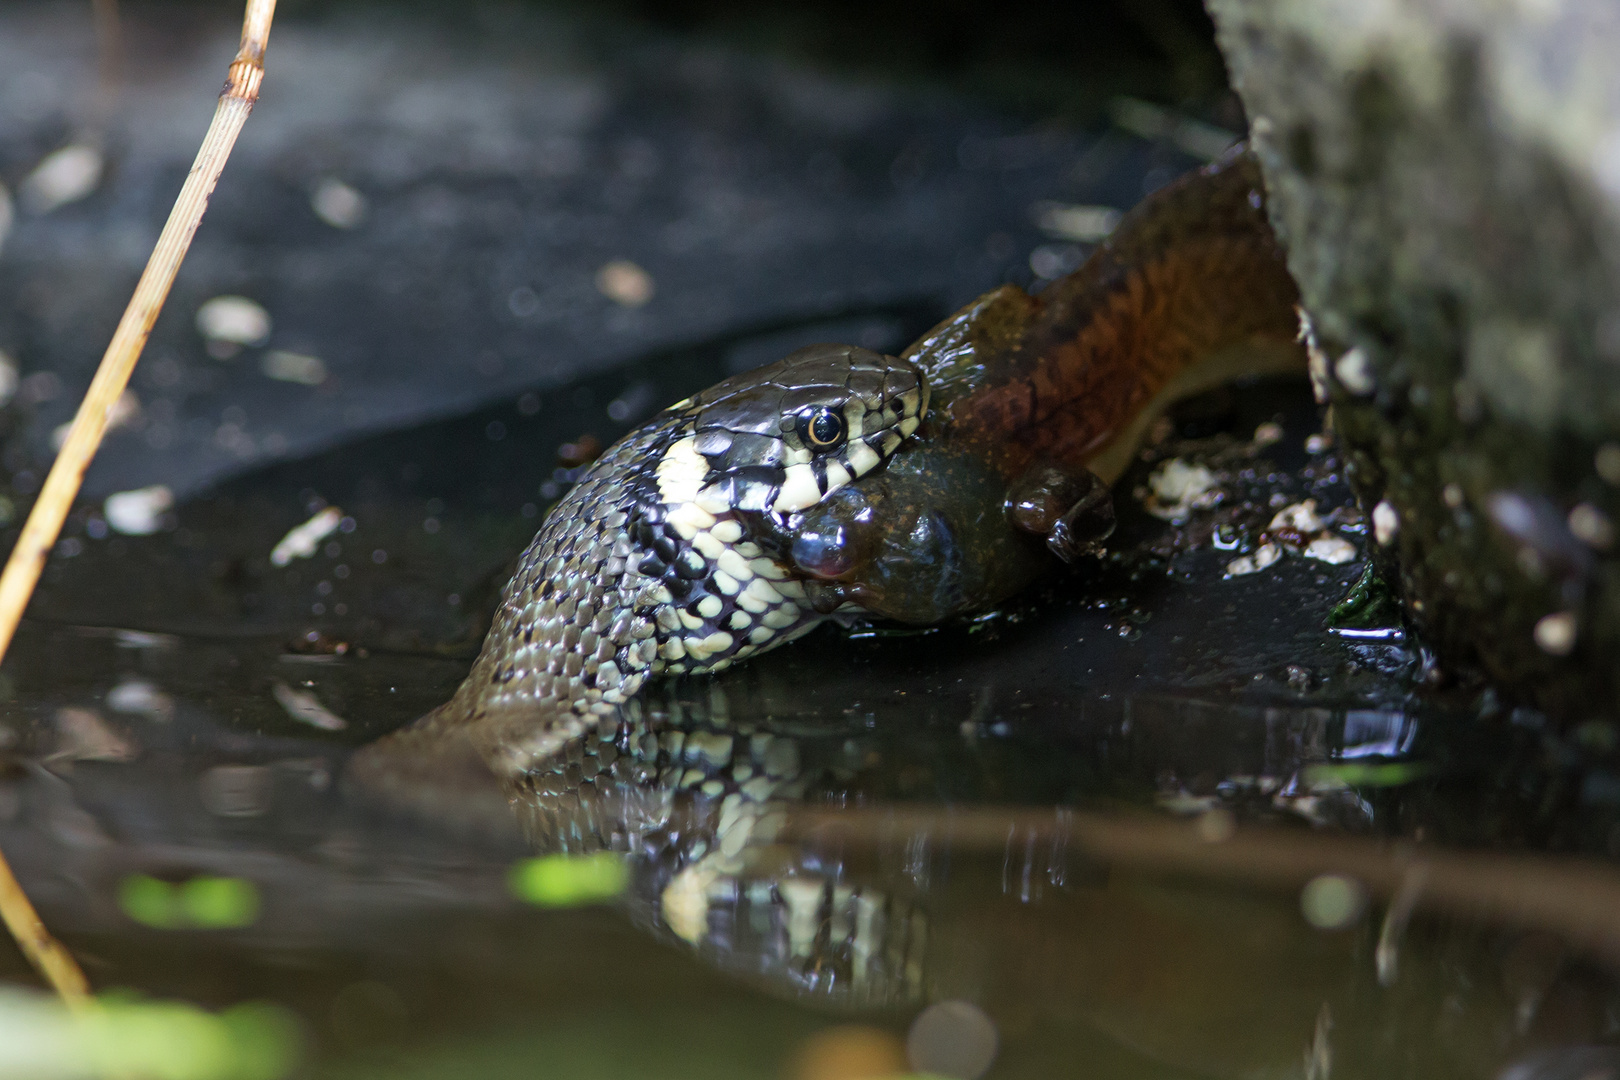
{"x": 821, "y": 429}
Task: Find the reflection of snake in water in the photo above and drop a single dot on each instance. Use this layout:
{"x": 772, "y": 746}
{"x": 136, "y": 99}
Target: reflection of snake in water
{"x": 836, "y": 480}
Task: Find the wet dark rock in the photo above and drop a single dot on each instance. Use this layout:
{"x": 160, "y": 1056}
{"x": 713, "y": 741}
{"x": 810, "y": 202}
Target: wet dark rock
{"x": 1447, "y": 180}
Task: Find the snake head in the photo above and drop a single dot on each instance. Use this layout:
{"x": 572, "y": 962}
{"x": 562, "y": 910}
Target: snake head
{"x": 785, "y": 436}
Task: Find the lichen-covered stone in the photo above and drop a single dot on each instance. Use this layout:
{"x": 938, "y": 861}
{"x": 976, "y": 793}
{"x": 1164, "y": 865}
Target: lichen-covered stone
{"x": 1446, "y": 176}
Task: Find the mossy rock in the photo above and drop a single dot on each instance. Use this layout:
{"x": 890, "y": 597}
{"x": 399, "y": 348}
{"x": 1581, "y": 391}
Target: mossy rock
{"x": 1447, "y": 181}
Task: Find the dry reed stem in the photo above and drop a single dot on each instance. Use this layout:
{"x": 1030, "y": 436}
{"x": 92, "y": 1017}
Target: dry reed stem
{"x": 44, "y": 523}
{"x": 1574, "y": 898}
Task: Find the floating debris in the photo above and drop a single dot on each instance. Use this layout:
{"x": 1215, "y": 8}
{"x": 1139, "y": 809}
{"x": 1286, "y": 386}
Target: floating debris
{"x": 1298, "y": 518}
{"x": 82, "y": 735}
{"x": 338, "y": 204}
{"x": 302, "y": 541}
{"x": 228, "y": 323}
{"x": 143, "y": 639}
{"x": 1267, "y": 433}
{"x": 63, "y": 177}
{"x": 138, "y": 512}
{"x": 625, "y": 283}
{"x": 1081, "y": 224}
{"x": 1386, "y": 523}
{"x": 1263, "y": 556}
{"x": 294, "y": 367}
{"x": 1354, "y": 372}
{"x": 1333, "y": 550}
{"x": 1177, "y": 488}
{"x": 1320, "y": 443}
{"x": 306, "y": 708}
{"x": 1555, "y": 633}
{"x": 141, "y": 698}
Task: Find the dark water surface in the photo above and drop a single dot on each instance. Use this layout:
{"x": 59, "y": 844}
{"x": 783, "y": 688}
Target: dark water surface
{"x": 1154, "y": 821}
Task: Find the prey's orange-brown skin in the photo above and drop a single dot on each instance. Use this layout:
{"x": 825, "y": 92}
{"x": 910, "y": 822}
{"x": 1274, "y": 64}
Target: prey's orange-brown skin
{"x": 1192, "y": 271}
{"x": 1190, "y": 291}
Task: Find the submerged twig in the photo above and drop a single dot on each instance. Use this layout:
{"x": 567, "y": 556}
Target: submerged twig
{"x": 44, "y": 522}
{"x": 1576, "y": 899}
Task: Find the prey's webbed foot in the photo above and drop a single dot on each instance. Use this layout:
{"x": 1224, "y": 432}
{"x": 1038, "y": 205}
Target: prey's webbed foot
{"x": 1073, "y": 510}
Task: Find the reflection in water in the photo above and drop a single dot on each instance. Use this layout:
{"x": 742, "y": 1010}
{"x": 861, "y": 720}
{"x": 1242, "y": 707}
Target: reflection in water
{"x": 1136, "y": 871}
{"x": 793, "y": 851}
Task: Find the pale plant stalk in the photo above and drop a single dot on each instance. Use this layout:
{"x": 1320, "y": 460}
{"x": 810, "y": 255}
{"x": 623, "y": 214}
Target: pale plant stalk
{"x": 44, "y": 522}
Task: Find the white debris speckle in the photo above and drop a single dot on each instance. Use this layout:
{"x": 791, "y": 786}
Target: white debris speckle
{"x": 1082, "y": 224}
{"x": 233, "y": 321}
{"x": 65, "y": 176}
{"x": 1263, "y": 556}
{"x": 138, "y": 512}
{"x": 8, "y": 378}
{"x": 1386, "y": 523}
{"x": 1333, "y": 550}
{"x": 306, "y": 708}
{"x": 1301, "y": 517}
{"x": 1591, "y": 526}
{"x": 625, "y": 283}
{"x": 1319, "y": 443}
{"x": 1453, "y": 496}
{"x": 338, "y": 204}
{"x": 1178, "y": 487}
{"x": 1555, "y": 633}
{"x": 294, "y": 367}
{"x": 302, "y": 541}
{"x": 82, "y": 735}
{"x": 1354, "y": 372}
{"x": 1268, "y": 433}
{"x": 141, "y": 698}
